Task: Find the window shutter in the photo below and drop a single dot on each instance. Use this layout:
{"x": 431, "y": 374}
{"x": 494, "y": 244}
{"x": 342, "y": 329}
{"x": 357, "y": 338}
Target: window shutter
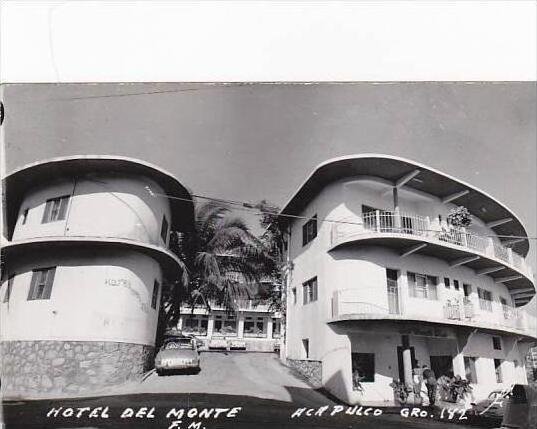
{"x": 64, "y": 202}
{"x": 49, "y": 281}
{"x": 31, "y": 292}
{"x": 314, "y": 286}
{"x": 46, "y": 214}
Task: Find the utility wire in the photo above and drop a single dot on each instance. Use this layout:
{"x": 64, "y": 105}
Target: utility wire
{"x": 254, "y": 209}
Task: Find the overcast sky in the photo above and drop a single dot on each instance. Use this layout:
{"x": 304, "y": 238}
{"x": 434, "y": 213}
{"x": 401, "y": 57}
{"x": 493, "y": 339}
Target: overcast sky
{"x": 249, "y": 142}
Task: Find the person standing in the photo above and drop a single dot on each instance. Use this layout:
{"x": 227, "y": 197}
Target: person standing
{"x": 429, "y": 378}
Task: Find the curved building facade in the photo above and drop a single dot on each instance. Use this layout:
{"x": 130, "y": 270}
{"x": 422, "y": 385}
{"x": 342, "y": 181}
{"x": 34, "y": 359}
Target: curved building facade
{"x": 381, "y": 283}
{"x": 83, "y": 270}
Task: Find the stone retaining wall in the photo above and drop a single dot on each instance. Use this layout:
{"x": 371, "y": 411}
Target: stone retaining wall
{"x": 68, "y": 368}
{"x": 311, "y": 370}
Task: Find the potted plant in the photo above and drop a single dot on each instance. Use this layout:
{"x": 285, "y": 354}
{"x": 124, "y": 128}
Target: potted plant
{"x": 400, "y": 391}
{"x": 459, "y": 217}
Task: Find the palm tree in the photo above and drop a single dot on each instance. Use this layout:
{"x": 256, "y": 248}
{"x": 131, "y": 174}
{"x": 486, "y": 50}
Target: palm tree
{"x": 223, "y": 262}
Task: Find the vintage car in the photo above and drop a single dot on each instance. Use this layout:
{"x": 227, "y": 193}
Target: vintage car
{"x": 179, "y": 353}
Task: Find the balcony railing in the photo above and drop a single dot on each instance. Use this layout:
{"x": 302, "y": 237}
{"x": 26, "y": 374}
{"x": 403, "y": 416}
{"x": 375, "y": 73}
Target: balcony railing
{"x": 349, "y": 302}
{"x": 390, "y": 222}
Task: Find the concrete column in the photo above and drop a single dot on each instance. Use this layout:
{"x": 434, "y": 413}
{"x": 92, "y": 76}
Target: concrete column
{"x": 210, "y": 326}
{"x": 407, "y": 361}
{"x": 240, "y": 327}
{"x": 458, "y": 364}
{"x": 180, "y": 323}
{"x": 269, "y": 327}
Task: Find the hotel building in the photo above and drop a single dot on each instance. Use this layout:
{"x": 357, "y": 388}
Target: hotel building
{"x": 84, "y": 264}
{"x": 381, "y": 283}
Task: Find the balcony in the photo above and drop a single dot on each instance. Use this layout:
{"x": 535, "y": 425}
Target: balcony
{"x": 348, "y": 305}
{"x": 457, "y": 245}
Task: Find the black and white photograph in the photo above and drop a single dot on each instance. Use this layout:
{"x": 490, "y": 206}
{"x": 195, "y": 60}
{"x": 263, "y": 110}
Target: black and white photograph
{"x": 266, "y": 253}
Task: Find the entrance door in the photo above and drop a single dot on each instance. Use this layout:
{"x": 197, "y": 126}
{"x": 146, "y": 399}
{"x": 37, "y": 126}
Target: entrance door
{"x": 442, "y": 365}
{"x": 400, "y": 361}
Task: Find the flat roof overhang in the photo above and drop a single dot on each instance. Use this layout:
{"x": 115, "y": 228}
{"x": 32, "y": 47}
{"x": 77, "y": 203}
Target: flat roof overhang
{"x": 171, "y": 265}
{"x": 445, "y": 251}
{"x": 18, "y": 182}
{"x": 430, "y": 181}
{"x": 370, "y": 322}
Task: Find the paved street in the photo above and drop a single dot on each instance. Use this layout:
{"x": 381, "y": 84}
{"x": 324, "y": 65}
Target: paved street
{"x": 267, "y": 392}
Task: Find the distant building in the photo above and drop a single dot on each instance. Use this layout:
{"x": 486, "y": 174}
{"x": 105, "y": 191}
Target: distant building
{"x": 83, "y": 269}
{"x": 381, "y": 283}
{"x": 253, "y": 326}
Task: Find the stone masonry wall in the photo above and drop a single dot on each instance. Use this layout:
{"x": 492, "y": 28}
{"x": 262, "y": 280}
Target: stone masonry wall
{"x": 311, "y": 370}
{"x": 55, "y": 369}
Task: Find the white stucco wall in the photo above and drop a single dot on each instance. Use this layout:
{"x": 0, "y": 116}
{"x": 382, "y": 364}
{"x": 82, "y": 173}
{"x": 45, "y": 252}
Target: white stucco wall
{"x": 101, "y": 295}
{"x": 100, "y": 206}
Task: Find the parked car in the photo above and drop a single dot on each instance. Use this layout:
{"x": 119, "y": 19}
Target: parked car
{"x": 178, "y": 353}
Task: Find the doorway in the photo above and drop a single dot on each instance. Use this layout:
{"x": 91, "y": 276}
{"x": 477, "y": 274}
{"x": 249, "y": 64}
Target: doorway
{"x": 442, "y": 365}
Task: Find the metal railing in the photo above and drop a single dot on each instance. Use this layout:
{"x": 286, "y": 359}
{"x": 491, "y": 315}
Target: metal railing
{"x": 349, "y": 302}
{"x": 393, "y": 222}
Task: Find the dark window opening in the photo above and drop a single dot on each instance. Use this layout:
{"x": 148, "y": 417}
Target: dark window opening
{"x": 309, "y": 230}
{"x": 469, "y": 369}
{"x": 164, "y": 229}
{"x": 446, "y": 282}
{"x": 496, "y": 343}
{"x": 24, "y": 216}
{"x": 41, "y": 283}
{"x": 363, "y": 369}
{"x": 306, "y": 346}
{"x": 154, "y": 297}
{"x": 498, "y": 370}
{"x": 309, "y": 290}
{"x": 55, "y": 209}
{"x": 456, "y": 284}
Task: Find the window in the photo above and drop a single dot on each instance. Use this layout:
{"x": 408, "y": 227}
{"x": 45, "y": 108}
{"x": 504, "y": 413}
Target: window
{"x": 498, "y": 370}
{"x": 41, "y": 284}
{"x": 363, "y": 369}
{"x": 309, "y": 290}
{"x": 24, "y": 216}
{"x": 55, "y": 209}
{"x": 230, "y": 326}
{"x": 469, "y": 369}
{"x": 456, "y": 284}
{"x": 422, "y": 286}
{"x": 154, "y": 297}
{"x": 485, "y": 299}
{"x": 164, "y": 229}
{"x": 195, "y": 324}
{"x": 306, "y": 347}
{"x": 8, "y": 288}
{"x": 446, "y": 282}
{"x": 293, "y": 291}
{"x": 496, "y": 343}
{"x": 309, "y": 230}
{"x": 254, "y": 326}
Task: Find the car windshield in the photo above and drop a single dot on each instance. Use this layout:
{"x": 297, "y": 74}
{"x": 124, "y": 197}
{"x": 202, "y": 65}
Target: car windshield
{"x": 179, "y": 344}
